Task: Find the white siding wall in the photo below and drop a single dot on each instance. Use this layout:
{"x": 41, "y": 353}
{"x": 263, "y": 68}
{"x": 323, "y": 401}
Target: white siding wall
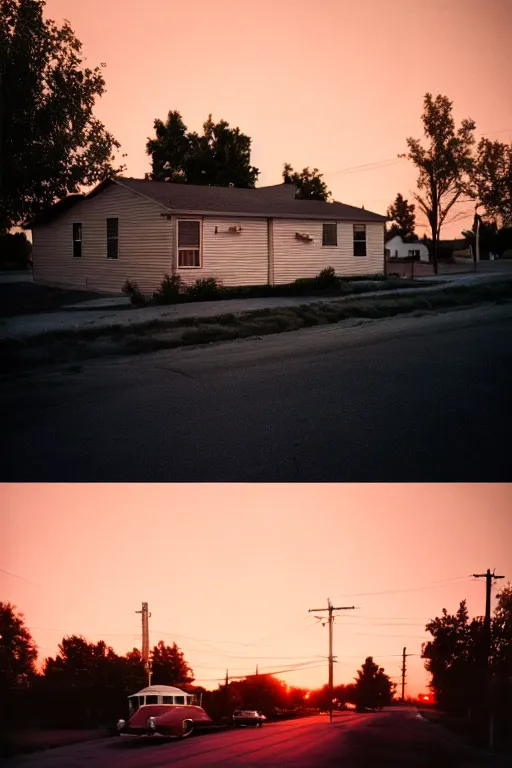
{"x": 294, "y": 258}
{"x": 145, "y": 244}
{"x": 234, "y": 259}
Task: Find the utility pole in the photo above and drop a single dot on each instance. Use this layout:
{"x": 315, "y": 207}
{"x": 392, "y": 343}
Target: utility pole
{"x": 486, "y": 650}
{"x": 330, "y": 609}
{"x": 404, "y": 656}
{"x": 145, "y": 639}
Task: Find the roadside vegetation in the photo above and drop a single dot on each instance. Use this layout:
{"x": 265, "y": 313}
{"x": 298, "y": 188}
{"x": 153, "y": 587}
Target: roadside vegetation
{"x": 73, "y": 346}
{"x": 173, "y": 290}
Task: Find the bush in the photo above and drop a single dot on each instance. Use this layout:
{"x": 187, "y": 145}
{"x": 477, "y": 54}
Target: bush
{"x": 170, "y": 291}
{"x": 327, "y": 278}
{"x": 205, "y": 288}
{"x": 15, "y": 251}
{"x": 133, "y": 291}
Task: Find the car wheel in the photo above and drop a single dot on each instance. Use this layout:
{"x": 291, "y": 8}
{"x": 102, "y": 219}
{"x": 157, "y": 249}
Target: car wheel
{"x": 259, "y": 724}
{"x": 187, "y": 727}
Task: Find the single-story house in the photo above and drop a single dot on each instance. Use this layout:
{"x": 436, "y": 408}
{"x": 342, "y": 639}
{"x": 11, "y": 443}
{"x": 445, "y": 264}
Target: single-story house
{"x": 140, "y": 230}
{"x": 397, "y": 249}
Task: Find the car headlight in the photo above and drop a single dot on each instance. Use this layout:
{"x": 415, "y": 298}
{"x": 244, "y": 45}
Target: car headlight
{"x": 151, "y": 723}
{"x": 121, "y": 724}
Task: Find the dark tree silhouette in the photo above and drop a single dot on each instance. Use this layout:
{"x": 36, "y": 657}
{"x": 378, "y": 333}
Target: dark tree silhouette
{"x": 310, "y": 185}
{"x": 50, "y": 141}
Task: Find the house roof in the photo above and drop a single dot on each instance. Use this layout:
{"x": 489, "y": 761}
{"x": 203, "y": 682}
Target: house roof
{"x": 276, "y": 201}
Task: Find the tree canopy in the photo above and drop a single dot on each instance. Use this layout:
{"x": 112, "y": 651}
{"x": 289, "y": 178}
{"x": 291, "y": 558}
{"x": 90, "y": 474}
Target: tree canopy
{"x": 168, "y": 665}
{"x": 492, "y": 180}
{"x": 220, "y": 156}
{"x": 51, "y": 143}
{"x": 403, "y": 218}
{"x": 18, "y": 652}
{"x": 373, "y": 688}
{"x": 310, "y": 184}
{"x": 444, "y": 166}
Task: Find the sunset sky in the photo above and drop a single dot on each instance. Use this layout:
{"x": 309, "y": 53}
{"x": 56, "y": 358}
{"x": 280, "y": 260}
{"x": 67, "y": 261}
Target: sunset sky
{"x": 331, "y": 83}
{"x": 230, "y": 571}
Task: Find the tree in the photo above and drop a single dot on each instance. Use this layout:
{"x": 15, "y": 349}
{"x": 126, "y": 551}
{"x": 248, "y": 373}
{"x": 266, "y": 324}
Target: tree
{"x": 492, "y": 180}
{"x": 309, "y": 183}
{"x": 220, "y": 156}
{"x": 452, "y": 659}
{"x": 169, "y": 666}
{"x": 50, "y": 141}
{"x": 401, "y": 212}
{"x": 373, "y": 688}
{"x": 18, "y": 652}
{"x": 444, "y": 166}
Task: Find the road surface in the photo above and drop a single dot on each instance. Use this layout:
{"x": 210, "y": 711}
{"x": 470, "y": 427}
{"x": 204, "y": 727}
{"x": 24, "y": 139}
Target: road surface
{"x": 405, "y": 399}
{"x": 393, "y": 738}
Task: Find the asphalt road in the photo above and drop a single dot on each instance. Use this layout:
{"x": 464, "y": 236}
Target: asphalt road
{"x": 405, "y": 399}
{"x": 388, "y": 739}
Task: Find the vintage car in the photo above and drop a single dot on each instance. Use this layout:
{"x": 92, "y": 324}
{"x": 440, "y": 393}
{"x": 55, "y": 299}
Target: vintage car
{"x": 162, "y": 710}
{"x": 248, "y": 717}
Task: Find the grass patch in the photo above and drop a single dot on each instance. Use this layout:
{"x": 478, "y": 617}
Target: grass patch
{"x": 75, "y": 346}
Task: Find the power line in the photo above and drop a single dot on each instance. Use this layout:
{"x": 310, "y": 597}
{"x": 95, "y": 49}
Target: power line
{"x": 432, "y": 585}
{"x": 21, "y": 578}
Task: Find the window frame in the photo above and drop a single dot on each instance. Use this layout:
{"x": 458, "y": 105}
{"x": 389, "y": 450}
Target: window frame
{"x": 330, "y": 224}
{"x": 167, "y": 699}
{"x": 358, "y": 241}
{"x": 76, "y": 240}
{"x": 111, "y": 239}
{"x": 199, "y": 249}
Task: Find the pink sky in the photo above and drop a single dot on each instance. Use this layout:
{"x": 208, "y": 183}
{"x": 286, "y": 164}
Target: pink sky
{"x": 230, "y": 571}
{"x": 331, "y": 84}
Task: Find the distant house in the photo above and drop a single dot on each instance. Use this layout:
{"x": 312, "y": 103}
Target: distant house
{"x": 397, "y": 249}
{"x": 140, "y": 230}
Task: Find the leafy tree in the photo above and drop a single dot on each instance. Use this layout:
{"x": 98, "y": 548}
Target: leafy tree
{"x": 444, "y": 166}
{"x": 18, "y": 652}
{"x": 492, "y": 180}
{"x": 309, "y": 183}
{"x": 15, "y": 250}
{"x": 169, "y": 666}
{"x": 401, "y": 212}
{"x": 50, "y": 141}
{"x": 220, "y": 156}
{"x": 452, "y": 658}
{"x": 373, "y": 688}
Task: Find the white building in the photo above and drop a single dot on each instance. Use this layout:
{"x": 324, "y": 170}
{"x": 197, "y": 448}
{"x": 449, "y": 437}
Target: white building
{"x": 397, "y": 249}
{"x": 141, "y": 230}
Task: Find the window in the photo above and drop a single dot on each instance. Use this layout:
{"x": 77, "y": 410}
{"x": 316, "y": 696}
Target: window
{"x": 179, "y": 699}
{"x": 330, "y": 234}
{"x": 77, "y": 241}
{"x": 151, "y": 699}
{"x": 359, "y": 240}
{"x": 112, "y": 238}
{"x": 189, "y": 244}
{"x": 167, "y": 700}
{"x": 413, "y": 254}
{"x": 190, "y": 699}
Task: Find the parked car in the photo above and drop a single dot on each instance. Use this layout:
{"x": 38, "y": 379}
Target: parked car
{"x": 162, "y": 710}
{"x": 248, "y": 717}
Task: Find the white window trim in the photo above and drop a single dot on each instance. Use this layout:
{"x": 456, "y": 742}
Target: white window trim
{"x": 77, "y": 240}
{"x": 336, "y": 230}
{"x": 354, "y": 241}
{"x": 178, "y": 249}
{"x": 112, "y": 258}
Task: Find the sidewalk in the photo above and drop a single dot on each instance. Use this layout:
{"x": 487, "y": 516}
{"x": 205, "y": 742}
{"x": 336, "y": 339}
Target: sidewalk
{"x": 25, "y": 326}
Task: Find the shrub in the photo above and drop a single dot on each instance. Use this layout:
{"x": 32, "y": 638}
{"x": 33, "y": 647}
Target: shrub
{"x": 327, "y": 278}
{"x": 171, "y": 288}
{"x": 205, "y": 288}
{"x": 15, "y": 251}
{"x": 133, "y": 291}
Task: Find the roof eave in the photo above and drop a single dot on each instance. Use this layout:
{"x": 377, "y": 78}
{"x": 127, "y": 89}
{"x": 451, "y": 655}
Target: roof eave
{"x": 272, "y": 215}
